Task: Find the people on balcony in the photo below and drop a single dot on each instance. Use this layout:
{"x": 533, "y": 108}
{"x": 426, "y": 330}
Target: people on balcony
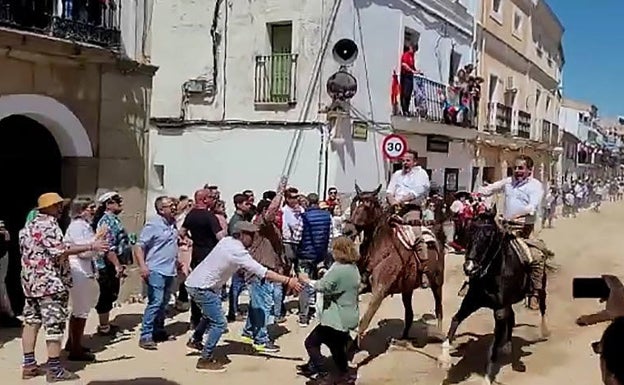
{"x": 408, "y": 70}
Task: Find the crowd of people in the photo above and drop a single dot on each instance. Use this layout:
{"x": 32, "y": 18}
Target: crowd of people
{"x": 285, "y": 243}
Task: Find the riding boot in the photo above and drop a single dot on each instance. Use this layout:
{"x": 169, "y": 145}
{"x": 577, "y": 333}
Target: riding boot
{"x": 536, "y": 276}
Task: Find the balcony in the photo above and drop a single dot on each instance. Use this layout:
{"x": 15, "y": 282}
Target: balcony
{"x": 275, "y": 79}
{"x": 94, "y": 22}
{"x": 524, "y": 125}
{"x": 436, "y": 109}
{"x": 499, "y": 118}
{"x": 546, "y": 131}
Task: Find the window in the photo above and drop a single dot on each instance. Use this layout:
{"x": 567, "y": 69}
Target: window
{"x": 454, "y": 64}
{"x": 517, "y": 24}
{"x": 280, "y": 36}
{"x": 548, "y": 101}
{"x": 437, "y": 144}
{"x": 411, "y": 37}
{"x": 492, "y": 88}
{"x": 496, "y": 12}
{"x": 496, "y": 6}
{"x": 159, "y": 169}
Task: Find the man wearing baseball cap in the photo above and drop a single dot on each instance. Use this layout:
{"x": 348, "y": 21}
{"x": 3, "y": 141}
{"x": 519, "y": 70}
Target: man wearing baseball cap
{"x": 206, "y": 280}
{"x": 46, "y": 280}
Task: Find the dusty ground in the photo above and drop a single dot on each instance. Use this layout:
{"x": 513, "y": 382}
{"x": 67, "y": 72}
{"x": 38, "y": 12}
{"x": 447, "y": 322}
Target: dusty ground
{"x": 588, "y": 246}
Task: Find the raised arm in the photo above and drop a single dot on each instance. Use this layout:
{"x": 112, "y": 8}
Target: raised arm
{"x": 493, "y": 188}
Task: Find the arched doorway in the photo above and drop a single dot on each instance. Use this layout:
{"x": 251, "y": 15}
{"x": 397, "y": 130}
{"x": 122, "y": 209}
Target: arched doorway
{"x": 36, "y": 133}
{"x": 31, "y": 163}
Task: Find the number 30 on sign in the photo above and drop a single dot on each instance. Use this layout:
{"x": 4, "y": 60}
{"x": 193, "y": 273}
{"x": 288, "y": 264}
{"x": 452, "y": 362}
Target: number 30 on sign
{"x": 394, "y": 146}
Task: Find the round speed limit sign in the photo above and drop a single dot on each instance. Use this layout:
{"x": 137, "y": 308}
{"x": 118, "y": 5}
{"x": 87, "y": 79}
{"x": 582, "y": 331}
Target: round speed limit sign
{"x": 394, "y": 146}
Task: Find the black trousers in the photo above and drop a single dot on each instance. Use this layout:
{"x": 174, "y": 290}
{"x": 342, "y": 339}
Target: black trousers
{"x": 337, "y": 341}
{"x": 109, "y": 289}
{"x": 407, "y": 89}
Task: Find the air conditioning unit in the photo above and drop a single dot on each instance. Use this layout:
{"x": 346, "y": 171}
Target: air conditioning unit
{"x": 196, "y": 86}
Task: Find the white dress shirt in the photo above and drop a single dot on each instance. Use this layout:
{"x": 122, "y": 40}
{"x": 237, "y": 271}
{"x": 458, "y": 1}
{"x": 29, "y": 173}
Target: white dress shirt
{"x": 221, "y": 263}
{"x": 521, "y": 197}
{"x": 79, "y": 232}
{"x": 415, "y": 182}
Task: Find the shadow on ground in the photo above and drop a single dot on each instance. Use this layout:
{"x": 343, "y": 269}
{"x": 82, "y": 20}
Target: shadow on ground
{"x": 474, "y": 354}
{"x": 377, "y": 341}
{"x": 9, "y": 334}
{"x": 137, "y": 381}
{"x": 127, "y": 325}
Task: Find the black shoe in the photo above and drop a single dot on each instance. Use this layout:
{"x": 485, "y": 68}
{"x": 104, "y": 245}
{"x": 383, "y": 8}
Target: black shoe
{"x": 163, "y": 337}
{"x": 310, "y": 370}
{"x": 148, "y": 345}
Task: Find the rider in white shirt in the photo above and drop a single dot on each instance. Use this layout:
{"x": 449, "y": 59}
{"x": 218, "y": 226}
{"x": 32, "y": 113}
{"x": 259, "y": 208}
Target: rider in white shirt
{"x": 523, "y": 197}
{"x": 407, "y": 191}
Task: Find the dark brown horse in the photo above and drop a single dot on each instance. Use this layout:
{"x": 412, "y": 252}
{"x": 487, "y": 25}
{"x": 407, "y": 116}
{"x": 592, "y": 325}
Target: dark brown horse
{"x": 389, "y": 266}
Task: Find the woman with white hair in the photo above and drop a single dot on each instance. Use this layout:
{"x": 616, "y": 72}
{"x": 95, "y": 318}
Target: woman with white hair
{"x": 85, "y": 290}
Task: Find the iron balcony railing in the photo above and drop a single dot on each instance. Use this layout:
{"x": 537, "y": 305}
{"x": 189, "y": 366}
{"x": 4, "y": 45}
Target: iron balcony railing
{"x": 437, "y": 102}
{"x": 499, "y": 118}
{"x": 546, "y": 131}
{"x": 87, "y": 21}
{"x": 275, "y": 79}
{"x": 524, "y": 124}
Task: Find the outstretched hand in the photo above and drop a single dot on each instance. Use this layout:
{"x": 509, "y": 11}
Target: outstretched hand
{"x": 614, "y": 304}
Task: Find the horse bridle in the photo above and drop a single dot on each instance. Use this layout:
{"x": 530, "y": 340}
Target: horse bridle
{"x": 484, "y": 269}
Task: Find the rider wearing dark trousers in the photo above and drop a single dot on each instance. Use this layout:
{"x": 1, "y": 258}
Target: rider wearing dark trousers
{"x": 523, "y": 196}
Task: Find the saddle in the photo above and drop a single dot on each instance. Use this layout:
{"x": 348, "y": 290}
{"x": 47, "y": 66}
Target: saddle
{"x": 408, "y": 237}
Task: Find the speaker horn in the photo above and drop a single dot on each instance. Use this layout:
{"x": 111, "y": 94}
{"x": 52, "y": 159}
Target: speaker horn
{"x": 345, "y": 51}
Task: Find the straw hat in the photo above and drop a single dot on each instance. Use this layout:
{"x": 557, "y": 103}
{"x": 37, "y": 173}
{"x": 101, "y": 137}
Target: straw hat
{"x": 50, "y": 199}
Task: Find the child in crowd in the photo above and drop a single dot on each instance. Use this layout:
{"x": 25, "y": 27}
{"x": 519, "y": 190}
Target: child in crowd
{"x": 339, "y": 314}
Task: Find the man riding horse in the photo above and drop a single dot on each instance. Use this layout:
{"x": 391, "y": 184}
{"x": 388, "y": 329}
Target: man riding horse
{"x": 523, "y": 196}
{"x": 406, "y": 192}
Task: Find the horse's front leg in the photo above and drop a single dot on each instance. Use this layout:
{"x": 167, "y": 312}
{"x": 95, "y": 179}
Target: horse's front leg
{"x": 471, "y": 303}
{"x": 406, "y": 297}
{"x": 504, "y": 320}
{"x": 379, "y": 293}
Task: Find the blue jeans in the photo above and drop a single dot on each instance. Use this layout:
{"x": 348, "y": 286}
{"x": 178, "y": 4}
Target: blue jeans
{"x": 213, "y": 320}
{"x": 260, "y": 307}
{"x": 278, "y": 301}
{"x": 158, "y": 294}
{"x": 307, "y": 297}
{"x": 237, "y": 286}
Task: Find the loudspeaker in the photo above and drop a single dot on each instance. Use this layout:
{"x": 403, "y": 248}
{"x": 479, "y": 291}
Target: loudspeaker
{"x": 345, "y": 51}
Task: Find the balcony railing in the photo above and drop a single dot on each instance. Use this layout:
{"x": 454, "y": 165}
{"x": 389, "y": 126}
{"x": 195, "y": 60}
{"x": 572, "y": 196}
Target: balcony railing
{"x": 554, "y": 134}
{"x": 89, "y": 21}
{"x": 546, "y": 135}
{"x": 436, "y": 102}
{"x": 499, "y": 118}
{"x": 524, "y": 124}
{"x": 275, "y": 79}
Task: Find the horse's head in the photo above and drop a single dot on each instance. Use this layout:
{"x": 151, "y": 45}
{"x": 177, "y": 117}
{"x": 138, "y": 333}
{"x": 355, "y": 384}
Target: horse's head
{"x": 485, "y": 238}
{"x": 365, "y": 207}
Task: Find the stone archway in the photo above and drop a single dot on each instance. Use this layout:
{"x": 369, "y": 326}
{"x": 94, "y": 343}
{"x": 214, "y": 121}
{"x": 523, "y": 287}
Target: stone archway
{"x": 69, "y": 133}
{"x": 41, "y": 141}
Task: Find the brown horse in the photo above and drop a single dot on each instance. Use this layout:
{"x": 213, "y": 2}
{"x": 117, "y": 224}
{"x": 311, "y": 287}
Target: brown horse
{"x": 389, "y": 266}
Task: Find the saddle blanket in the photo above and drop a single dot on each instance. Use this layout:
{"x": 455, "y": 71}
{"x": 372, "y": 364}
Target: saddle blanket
{"x": 409, "y": 238}
{"x": 530, "y": 250}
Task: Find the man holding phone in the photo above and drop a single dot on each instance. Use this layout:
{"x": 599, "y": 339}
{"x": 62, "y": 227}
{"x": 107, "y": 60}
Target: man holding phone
{"x": 523, "y": 196}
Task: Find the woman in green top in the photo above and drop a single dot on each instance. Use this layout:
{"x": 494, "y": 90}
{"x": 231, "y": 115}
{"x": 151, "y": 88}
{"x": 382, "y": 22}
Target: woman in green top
{"x": 339, "y": 315}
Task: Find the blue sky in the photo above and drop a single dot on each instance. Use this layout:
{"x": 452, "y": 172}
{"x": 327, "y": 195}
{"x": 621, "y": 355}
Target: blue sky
{"x": 594, "y": 51}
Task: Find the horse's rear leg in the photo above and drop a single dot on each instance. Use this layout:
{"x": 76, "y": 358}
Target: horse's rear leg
{"x": 469, "y": 305}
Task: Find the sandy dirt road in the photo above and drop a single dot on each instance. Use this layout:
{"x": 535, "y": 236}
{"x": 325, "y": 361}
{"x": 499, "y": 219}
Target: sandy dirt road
{"x": 588, "y": 246}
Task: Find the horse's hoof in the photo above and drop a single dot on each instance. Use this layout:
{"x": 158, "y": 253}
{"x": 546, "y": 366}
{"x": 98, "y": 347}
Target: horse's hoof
{"x": 402, "y": 343}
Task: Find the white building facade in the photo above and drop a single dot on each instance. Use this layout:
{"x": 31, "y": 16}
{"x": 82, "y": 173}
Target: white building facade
{"x": 239, "y": 81}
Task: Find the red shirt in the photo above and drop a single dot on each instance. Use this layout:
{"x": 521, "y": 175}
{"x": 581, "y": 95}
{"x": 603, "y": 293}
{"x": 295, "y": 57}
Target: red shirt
{"x": 408, "y": 59}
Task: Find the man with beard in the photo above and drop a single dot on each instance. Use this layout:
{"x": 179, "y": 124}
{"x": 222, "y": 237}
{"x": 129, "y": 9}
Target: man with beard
{"x": 407, "y": 190}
